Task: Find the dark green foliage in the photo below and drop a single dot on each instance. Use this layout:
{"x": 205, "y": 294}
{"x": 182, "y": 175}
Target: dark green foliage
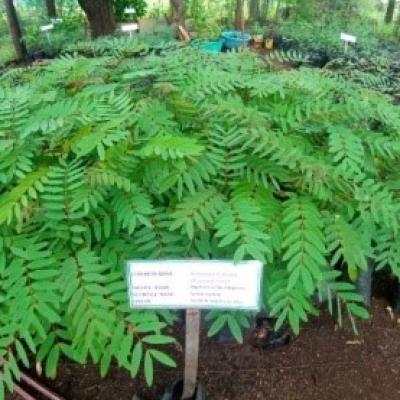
{"x": 120, "y": 6}
{"x": 160, "y": 40}
{"x": 42, "y": 45}
{"x": 183, "y": 155}
{"x": 380, "y": 71}
{"x": 321, "y": 35}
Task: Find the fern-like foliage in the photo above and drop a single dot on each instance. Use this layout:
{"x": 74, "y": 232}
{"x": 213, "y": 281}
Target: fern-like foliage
{"x": 304, "y": 244}
{"x": 286, "y": 57}
{"x": 182, "y": 154}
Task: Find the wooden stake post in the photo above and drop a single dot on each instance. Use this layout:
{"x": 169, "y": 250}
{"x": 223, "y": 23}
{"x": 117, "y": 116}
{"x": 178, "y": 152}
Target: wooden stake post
{"x": 192, "y": 343}
{"x": 132, "y": 26}
{"x": 347, "y": 39}
{"x": 46, "y": 29}
{"x": 33, "y": 384}
{"x": 194, "y": 285}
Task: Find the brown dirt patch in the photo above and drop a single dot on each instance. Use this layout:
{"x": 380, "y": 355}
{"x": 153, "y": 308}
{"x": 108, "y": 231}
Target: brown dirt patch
{"x": 323, "y": 362}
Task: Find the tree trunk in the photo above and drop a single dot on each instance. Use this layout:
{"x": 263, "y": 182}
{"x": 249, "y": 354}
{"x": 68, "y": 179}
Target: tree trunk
{"x": 100, "y": 14}
{"x": 15, "y": 30}
{"x": 239, "y": 15}
{"x": 178, "y": 12}
{"x": 390, "y": 11}
{"x": 264, "y": 10}
{"x": 51, "y": 8}
{"x": 397, "y": 26}
{"x": 278, "y": 10}
{"x": 254, "y": 11}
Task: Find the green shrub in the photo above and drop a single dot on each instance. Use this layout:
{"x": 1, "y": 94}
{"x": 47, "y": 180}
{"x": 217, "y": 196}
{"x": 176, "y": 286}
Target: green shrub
{"x": 71, "y": 30}
{"x": 6, "y": 49}
{"x": 120, "y": 6}
{"x": 124, "y": 46}
{"x": 380, "y": 72}
{"x": 182, "y": 155}
{"x": 325, "y": 36}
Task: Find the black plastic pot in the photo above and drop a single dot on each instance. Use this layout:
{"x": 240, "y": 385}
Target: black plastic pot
{"x": 174, "y": 392}
{"x": 225, "y": 336}
{"x": 264, "y": 336}
{"x": 397, "y": 302}
{"x": 364, "y": 283}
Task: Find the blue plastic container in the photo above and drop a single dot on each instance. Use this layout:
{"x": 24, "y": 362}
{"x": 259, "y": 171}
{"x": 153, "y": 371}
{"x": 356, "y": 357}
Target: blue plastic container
{"x": 236, "y": 39}
{"x": 210, "y": 46}
{"x": 215, "y": 46}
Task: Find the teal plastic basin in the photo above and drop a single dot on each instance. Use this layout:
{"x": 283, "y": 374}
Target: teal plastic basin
{"x": 236, "y": 39}
{"x": 210, "y": 46}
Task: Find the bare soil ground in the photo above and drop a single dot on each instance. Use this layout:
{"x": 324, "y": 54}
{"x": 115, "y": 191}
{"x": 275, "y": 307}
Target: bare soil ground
{"x": 322, "y": 363}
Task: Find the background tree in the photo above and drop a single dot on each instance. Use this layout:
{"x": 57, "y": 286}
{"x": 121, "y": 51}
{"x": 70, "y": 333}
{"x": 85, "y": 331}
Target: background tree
{"x": 178, "y": 11}
{"x": 100, "y": 14}
{"x": 397, "y": 26}
{"x": 254, "y": 11}
{"x": 51, "y": 8}
{"x": 390, "y": 11}
{"x": 15, "y": 30}
{"x": 264, "y": 9}
{"x": 239, "y": 15}
{"x": 277, "y": 10}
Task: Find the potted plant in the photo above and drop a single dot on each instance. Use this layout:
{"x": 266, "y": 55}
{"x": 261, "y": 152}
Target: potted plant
{"x": 270, "y": 38}
{"x": 174, "y": 392}
{"x": 257, "y": 36}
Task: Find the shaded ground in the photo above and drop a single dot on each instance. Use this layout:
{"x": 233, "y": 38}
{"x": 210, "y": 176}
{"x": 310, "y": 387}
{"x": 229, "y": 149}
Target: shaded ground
{"x": 322, "y": 363}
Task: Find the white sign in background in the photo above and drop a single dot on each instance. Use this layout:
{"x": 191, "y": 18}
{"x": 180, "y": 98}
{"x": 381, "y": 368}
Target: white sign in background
{"x": 348, "y": 38}
{"x": 194, "y": 284}
{"x": 130, "y": 10}
{"x": 46, "y": 28}
{"x": 133, "y": 27}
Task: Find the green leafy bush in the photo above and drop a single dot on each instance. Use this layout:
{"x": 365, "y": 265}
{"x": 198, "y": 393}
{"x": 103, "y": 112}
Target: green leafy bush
{"x": 120, "y": 6}
{"x": 203, "y": 21}
{"x": 325, "y": 35}
{"x": 182, "y": 155}
{"x": 380, "y": 72}
{"x": 141, "y": 44}
{"x": 6, "y": 49}
{"x": 71, "y": 30}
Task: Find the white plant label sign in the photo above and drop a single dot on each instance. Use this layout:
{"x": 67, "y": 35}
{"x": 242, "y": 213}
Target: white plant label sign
{"x": 133, "y": 27}
{"x": 46, "y": 28}
{"x": 130, "y": 10}
{"x": 348, "y": 38}
{"x": 199, "y": 284}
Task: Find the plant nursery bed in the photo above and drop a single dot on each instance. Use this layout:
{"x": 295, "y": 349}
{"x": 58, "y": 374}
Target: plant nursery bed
{"x": 323, "y": 362}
